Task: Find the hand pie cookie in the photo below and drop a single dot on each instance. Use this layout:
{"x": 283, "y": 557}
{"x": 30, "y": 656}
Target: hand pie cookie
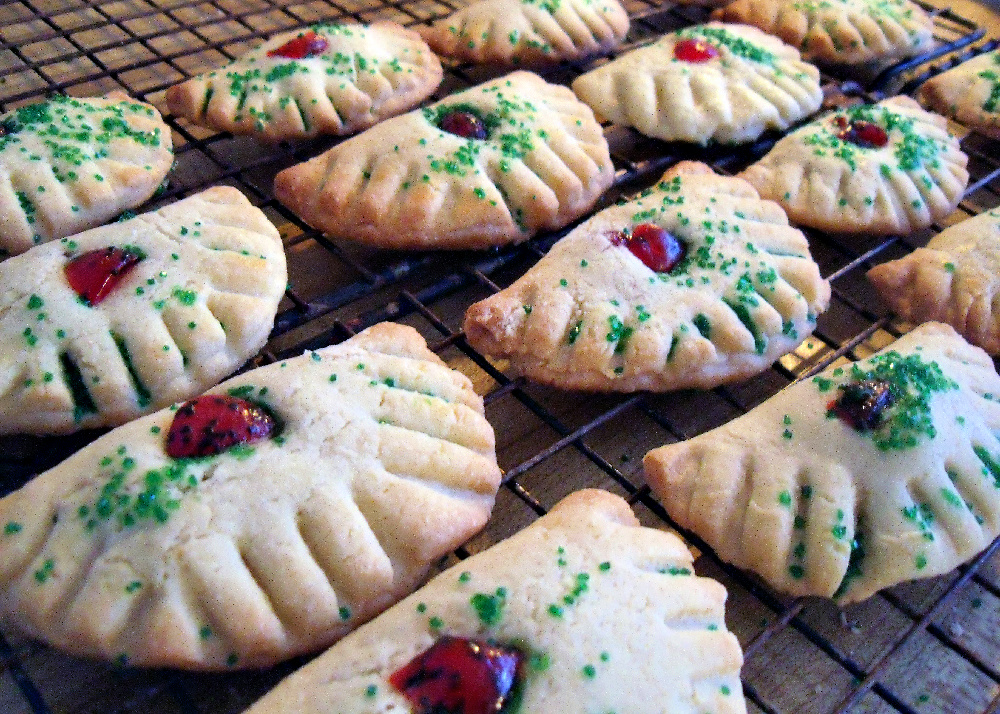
{"x": 68, "y": 164}
{"x": 839, "y": 31}
{"x": 529, "y": 31}
{"x": 326, "y": 79}
{"x": 104, "y": 326}
{"x": 968, "y": 93}
{"x": 488, "y": 166}
{"x": 954, "y": 279}
{"x": 693, "y": 283}
{"x": 879, "y": 169}
{"x": 715, "y": 82}
{"x": 259, "y": 521}
{"x": 555, "y": 618}
{"x": 855, "y": 480}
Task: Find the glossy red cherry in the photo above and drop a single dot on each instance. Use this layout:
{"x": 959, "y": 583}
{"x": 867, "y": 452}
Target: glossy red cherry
{"x": 93, "y": 275}
{"x": 862, "y": 404}
{"x": 692, "y": 50}
{"x": 459, "y": 676}
{"x": 655, "y": 247}
{"x": 464, "y": 124}
{"x": 861, "y": 133}
{"x": 210, "y": 424}
{"x": 308, "y": 44}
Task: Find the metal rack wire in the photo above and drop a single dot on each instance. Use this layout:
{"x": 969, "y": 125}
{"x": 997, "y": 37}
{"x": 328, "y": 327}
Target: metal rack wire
{"x": 922, "y": 647}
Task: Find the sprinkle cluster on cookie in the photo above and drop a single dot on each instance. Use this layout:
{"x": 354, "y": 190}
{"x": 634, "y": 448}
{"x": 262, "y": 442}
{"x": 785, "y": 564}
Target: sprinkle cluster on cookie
{"x": 327, "y": 79}
{"x": 73, "y": 163}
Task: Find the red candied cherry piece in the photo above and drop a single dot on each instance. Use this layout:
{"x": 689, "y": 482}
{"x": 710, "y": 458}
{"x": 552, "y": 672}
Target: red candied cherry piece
{"x": 464, "y": 124}
{"x": 459, "y": 676}
{"x": 862, "y": 404}
{"x": 693, "y": 50}
{"x": 93, "y": 275}
{"x": 861, "y": 133}
{"x": 655, "y": 247}
{"x": 210, "y": 424}
{"x": 308, "y": 44}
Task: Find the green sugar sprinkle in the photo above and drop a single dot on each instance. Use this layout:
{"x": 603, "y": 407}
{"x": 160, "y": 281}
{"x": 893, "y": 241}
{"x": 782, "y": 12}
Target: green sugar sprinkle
{"x": 618, "y": 333}
{"x": 913, "y": 383}
{"x": 574, "y": 332}
{"x": 737, "y": 45}
{"x": 152, "y": 498}
{"x": 489, "y": 608}
{"x": 46, "y": 571}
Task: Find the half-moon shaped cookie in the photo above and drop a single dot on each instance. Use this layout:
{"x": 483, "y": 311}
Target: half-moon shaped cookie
{"x": 488, "y": 166}
{"x": 119, "y": 321}
{"x": 68, "y": 164}
{"x": 839, "y": 31}
{"x": 693, "y": 283}
{"x": 968, "y": 93}
{"x": 879, "y": 169}
{"x": 865, "y": 476}
{"x": 529, "y": 31}
{"x": 714, "y": 82}
{"x": 326, "y": 79}
{"x": 954, "y": 279}
{"x": 263, "y": 520}
{"x": 562, "y": 617}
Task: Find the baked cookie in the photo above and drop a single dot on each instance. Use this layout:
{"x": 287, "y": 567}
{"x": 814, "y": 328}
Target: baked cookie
{"x": 878, "y": 169}
{"x": 556, "y": 618}
{"x": 954, "y": 280}
{"x": 839, "y": 31}
{"x": 529, "y": 31}
{"x": 968, "y": 93}
{"x": 855, "y": 480}
{"x": 262, "y": 520}
{"x": 68, "y": 164}
{"x": 488, "y": 166}
{"x": 693, "y": 283}
{"x": 104, "y": 326}
{"x": 715, "y": 82}
{"x": 326, "y": 79}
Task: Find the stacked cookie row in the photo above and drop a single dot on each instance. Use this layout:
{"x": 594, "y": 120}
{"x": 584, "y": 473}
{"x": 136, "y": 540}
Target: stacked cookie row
{"x": 147, "y": 546}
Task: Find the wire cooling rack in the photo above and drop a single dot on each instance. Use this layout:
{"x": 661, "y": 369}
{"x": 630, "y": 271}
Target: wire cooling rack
{"x": 929, "y": 646}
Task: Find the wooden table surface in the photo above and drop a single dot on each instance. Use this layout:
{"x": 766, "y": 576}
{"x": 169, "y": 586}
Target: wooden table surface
{"x": 930, "y": 646}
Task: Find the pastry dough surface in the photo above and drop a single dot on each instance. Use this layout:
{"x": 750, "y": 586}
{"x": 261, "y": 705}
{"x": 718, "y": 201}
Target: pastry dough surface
{"x": 529, "y": 32}
{"x": 364, "y": 74}
{"x": 199, "y": 304}
{"x": 836, "y": 185}
{"x": 968, "y": 93}
{"x": 383, "y": 463}
{"x": 406, "y": 183}
{"x": 585, "y": 592}
{"x": 839, "y": 31}
{"x": 68, "y": 164}
{"x": 954, "y": 279}
{"x": 591, "y": 315}
{"x": 755, "y": 83}
{"x": 817, "y": 507}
